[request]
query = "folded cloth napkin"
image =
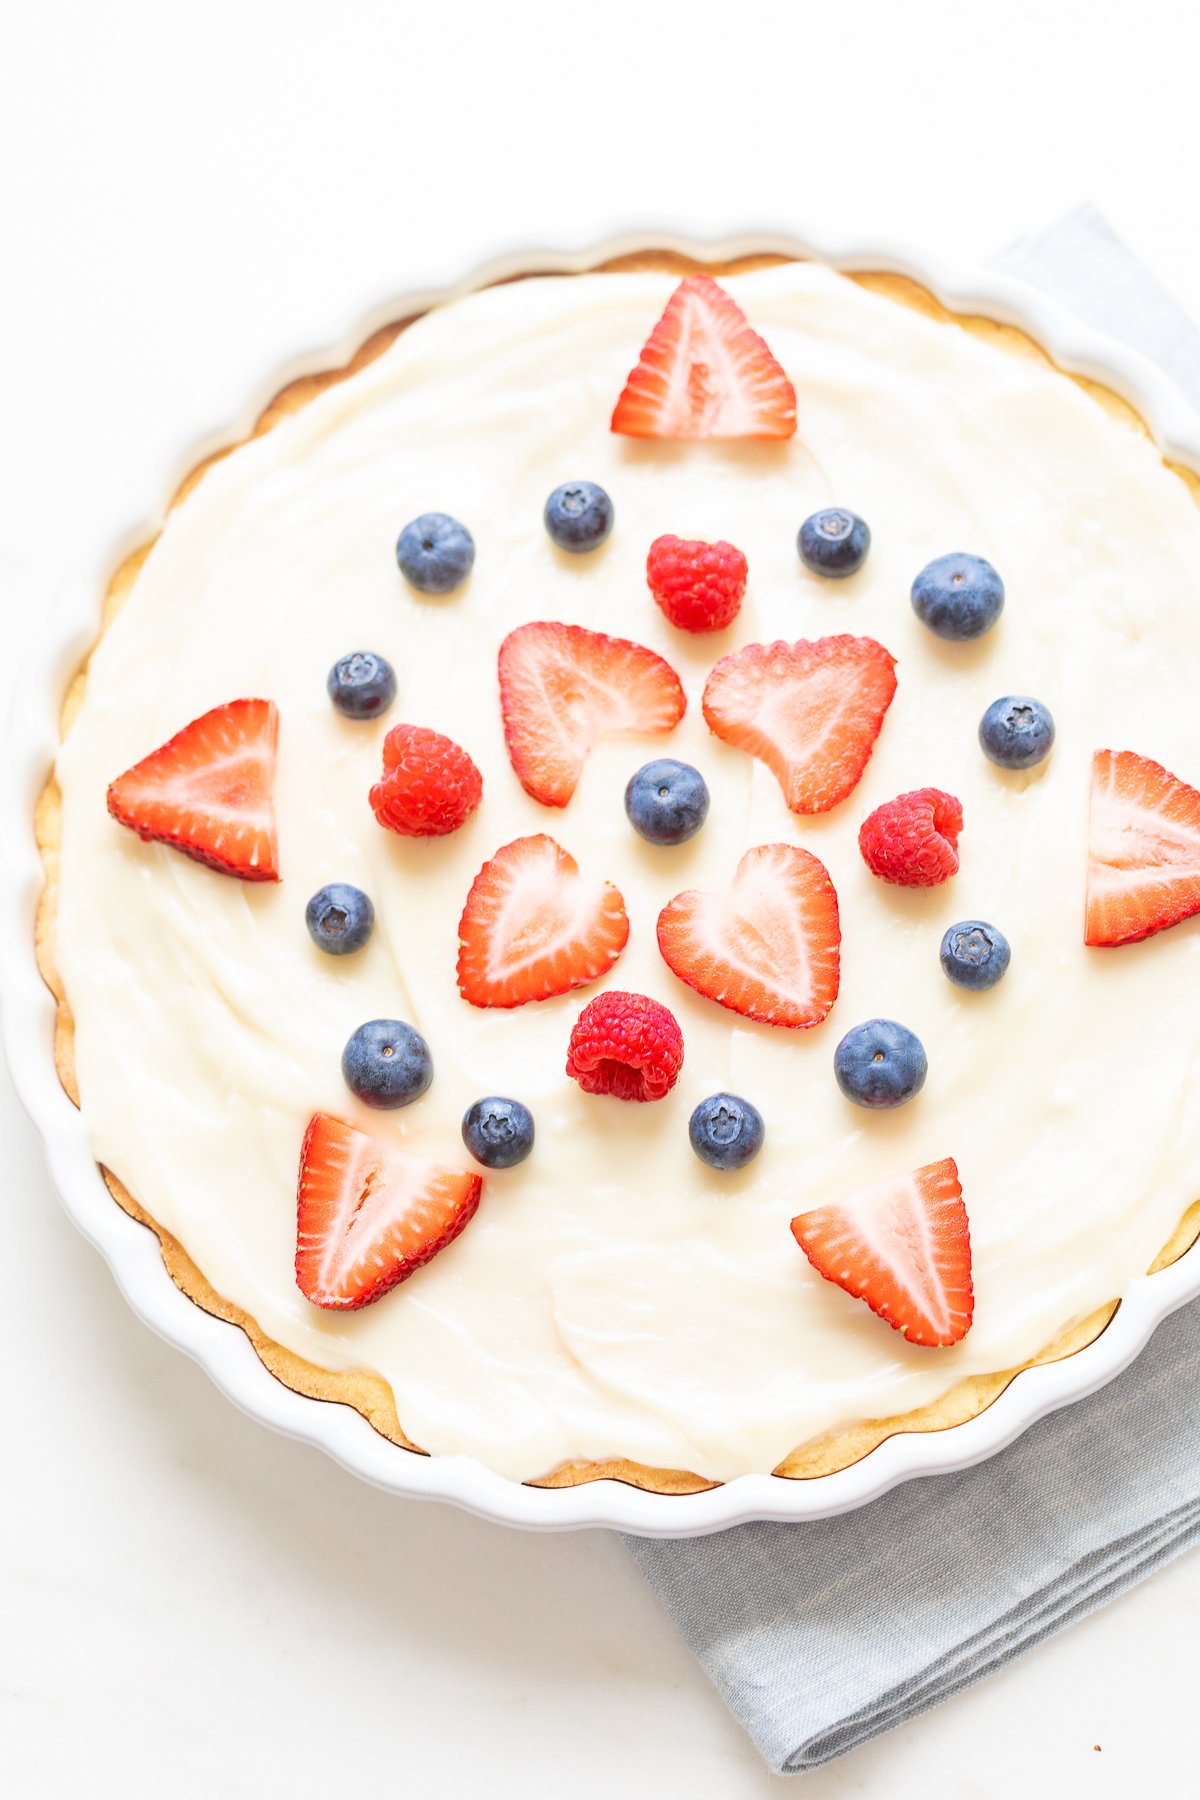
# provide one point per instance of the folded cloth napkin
(820, 1636)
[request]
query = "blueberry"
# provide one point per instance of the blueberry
(435, 553)
(579, 516)
(498, 1133)
(387, 1063)
(834, 542)
(958, 596)
(974, 955)
(666, 801)
(340, 918)
(880, 1064)
(1016, 732)
(362, 685)
(726, 1131)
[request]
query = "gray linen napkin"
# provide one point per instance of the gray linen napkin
(820, 1636)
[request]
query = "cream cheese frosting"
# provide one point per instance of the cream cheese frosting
(614, 1297)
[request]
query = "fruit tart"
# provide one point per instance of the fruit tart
(619, 874)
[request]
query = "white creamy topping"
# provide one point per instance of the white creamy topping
(614, 1297)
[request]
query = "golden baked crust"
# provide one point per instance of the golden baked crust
(367, 1393)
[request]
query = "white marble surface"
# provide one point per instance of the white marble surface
(190, 1603)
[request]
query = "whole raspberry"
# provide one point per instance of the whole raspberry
(913, 840)
(626, 1045)
(699, 586)
(429, 785)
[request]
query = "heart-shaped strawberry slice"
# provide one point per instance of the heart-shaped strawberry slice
(562, 688)
(811, 711)
(533, 926)
(768, 946)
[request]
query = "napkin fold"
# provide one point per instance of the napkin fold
(821, 1636)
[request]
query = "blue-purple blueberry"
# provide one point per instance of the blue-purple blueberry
(880, 1064)
(834, 542)
(579, 516)
(498, 1132)
(666, 801)
(974, 954)
(387, 1063)
(340, 918)
(726, 1131)
(436, 553)
(362, 685)
(1016, 732)
(958, 596)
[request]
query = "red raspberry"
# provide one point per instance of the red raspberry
(913, 840)
(626, 1045)
(699, 586)
(429, 786)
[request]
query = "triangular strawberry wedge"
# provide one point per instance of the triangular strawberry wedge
(533, 926)
(1143, 849)
(767, 947)
(209, 791)
(704, 373)
(810, 711)
(904, 1247)
(368, 1214)
(562, 688)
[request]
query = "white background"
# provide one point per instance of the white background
(191, 195)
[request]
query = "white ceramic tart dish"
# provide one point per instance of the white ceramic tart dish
(622, 1337)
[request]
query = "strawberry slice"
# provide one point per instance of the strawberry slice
(811, 711)
(368, 1214)
(769, 946)
(533, 927)
(208, 792)
(1143, 849)
(904, 1247)
(703, 373)
(562, 687)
